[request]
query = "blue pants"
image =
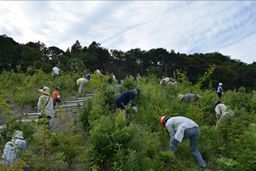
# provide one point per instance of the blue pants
(120, 105)
(192, 134)
(219, 94)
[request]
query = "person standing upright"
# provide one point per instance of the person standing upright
(55, 71)
(55, 74)
(219, 90)
(45, 104)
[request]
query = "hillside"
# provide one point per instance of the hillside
(97, 137)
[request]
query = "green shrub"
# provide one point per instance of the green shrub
(38, 156)
(5, 110)
(66, 146)
(245, 152)
(28, 128)
(106, 143)
(129, 83)
(226, 163)
(84, 114)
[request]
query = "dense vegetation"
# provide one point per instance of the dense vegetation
(161, 62)
(100, 140)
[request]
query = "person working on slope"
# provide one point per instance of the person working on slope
(12, 148)
(113, 77)
(222, 112)
(168, 81)
(189, 97)
(180, 128)
(81, 82)
(55, 71)
(98, 72)
(56, 97)
(219, 90)
(87, 75)
(124, 98)
(45, 104)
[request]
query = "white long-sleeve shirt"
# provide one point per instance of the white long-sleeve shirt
(177, 125)
(55, 71)
(81, 81)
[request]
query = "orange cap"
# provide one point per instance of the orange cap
(162, 120)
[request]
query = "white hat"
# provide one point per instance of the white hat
(180, 96)
(18, 134)
(45, 90)
(220, 84)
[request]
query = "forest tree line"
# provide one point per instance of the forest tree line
(161, 62)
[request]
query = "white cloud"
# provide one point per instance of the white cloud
(242, 50)
(187, 27)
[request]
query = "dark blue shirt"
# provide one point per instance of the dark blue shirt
(125, 97)
(87, 76)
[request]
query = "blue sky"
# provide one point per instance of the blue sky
(188, 27)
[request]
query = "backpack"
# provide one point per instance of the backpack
(9, 153)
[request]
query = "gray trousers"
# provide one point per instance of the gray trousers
(192, 134)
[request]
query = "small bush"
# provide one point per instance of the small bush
(28, 128)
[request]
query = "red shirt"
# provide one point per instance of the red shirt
(55, 94)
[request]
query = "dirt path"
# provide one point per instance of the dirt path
(64, 120)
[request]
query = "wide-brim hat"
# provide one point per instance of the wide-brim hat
(18, 134)
(45, 90)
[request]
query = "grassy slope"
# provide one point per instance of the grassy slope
(108, 144)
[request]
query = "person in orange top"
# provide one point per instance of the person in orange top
(55, 96)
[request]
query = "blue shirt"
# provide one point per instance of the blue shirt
(87, 76)
(125, 97)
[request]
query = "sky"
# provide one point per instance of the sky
(228, 27)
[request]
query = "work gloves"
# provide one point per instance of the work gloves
(134, 108)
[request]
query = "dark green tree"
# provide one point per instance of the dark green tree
(76, 47)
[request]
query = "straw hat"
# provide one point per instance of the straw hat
(45, 90)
